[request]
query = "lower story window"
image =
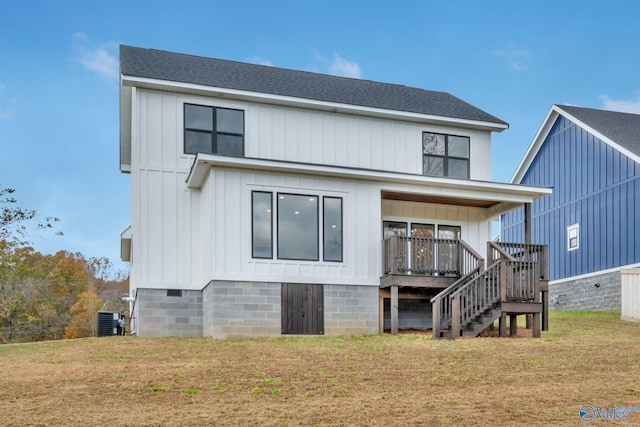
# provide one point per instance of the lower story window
(573, 241)
(297, 227)
(298, 233)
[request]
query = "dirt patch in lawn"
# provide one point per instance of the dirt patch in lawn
(408, 379)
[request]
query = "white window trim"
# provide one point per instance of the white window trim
(576, 228)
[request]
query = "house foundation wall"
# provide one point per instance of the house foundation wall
(228, 309)
(159, 315)
(350, 310)
(597, 293)
(240, 309)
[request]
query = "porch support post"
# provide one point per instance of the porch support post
(545, 310)
(502, 324)
(527, 223)
(394, 310)
(536, 325)
(380, 313)
(544, 271)
(513, 325)
(527, 240)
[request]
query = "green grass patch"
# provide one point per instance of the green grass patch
(158, 388)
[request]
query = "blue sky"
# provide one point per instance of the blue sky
(59, 77)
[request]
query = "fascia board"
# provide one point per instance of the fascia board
(481, 190)
(543, 132)
(335, 107)
(535, 145)
(126, 121)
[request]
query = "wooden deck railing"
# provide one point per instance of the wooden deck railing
(428, 256)
(520, 252)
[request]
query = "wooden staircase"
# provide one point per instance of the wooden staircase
(481, 322)
(511, 285)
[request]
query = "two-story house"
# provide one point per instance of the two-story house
(592, 160)
(269, 201)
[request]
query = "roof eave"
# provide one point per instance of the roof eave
(334, 107)
(554, 112)
(535, 145)
(506, 194)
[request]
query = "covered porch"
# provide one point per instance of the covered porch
(430, 270)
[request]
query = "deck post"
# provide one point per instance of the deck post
(380, 313)
(435, 315)
(544, 272)
(513, 325)
(455, 317)
(394, 310)
(502, 324)
(527, 240)
(536, 325)
(545, 310)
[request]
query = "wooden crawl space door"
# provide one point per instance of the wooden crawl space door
(302, 309)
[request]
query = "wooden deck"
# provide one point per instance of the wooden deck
(470, 297)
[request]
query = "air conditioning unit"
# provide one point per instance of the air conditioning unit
(108, 323)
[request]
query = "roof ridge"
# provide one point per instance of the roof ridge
(316, 73)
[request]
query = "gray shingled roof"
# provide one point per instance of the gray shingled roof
(621, 128)
(162, 65)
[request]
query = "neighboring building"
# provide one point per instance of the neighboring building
(268, 201)
(591, 158)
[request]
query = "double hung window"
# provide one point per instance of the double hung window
(573, 241)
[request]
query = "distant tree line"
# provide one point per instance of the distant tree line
(48, 297)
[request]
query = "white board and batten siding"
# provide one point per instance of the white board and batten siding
(297, 135)
(183, 238)
(231, 229)
(474, 223)
(306, 136)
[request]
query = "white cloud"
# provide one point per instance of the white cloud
(101, 60)
(260, 61)
(516, 57)
(621, 105)
(344, 68)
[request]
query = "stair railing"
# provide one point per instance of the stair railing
(441, 303)
(477, 296)
(506, 280)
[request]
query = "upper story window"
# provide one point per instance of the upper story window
(445, 155)
(213, 130)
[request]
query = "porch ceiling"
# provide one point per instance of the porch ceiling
(441, 200)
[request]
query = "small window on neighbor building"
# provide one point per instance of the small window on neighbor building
(573, 237)
(174, 292)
